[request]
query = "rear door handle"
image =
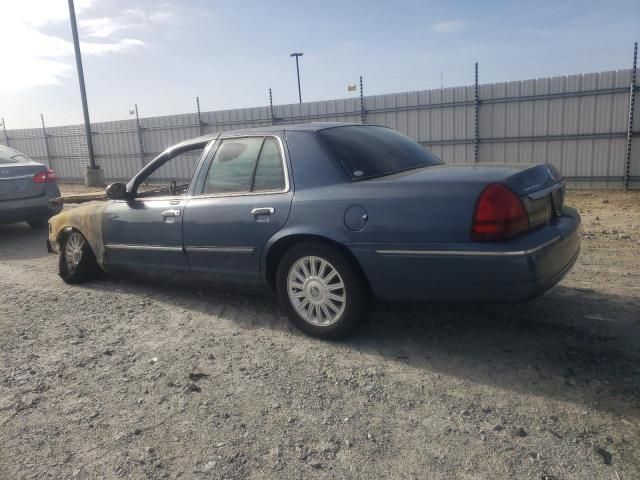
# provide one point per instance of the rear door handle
(263, 211)
(172, 212)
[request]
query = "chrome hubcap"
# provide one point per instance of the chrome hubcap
(316, 291)
(73, 250)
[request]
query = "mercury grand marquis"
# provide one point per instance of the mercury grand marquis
(329, 216)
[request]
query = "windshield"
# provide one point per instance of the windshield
(9, 155)
(371, 151)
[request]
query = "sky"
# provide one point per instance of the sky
(162, 54)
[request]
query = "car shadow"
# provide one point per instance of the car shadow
(572, 344)
(576, 345)
(18, 241)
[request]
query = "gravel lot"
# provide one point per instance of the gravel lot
(121, 379)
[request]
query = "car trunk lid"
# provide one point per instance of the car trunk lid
(458, 187)
(16, 180)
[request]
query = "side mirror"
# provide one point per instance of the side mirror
(117, 191)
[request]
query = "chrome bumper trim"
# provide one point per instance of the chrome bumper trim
(468, 253)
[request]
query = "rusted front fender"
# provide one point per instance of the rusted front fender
(87, 219)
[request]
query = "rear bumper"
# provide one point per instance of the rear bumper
(12, 211)
(515, 270)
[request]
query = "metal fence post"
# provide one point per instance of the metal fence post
(632, 98)
(140, 137)
(200, 124)
(273, 117)
(363, 112)
(476, 123)
(4, 129)
(46, 143)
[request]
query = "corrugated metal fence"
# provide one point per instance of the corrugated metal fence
(578, 123)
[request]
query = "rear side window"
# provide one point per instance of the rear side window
(9, 155)
(232, 166)
(243, 165)
(370, 151)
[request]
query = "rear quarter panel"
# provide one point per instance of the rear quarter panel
(399, 208)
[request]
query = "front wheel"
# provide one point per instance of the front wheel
(321, 291)
(77, 263)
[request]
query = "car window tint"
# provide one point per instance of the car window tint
(370, 151)
(232, 166)
(269, 174)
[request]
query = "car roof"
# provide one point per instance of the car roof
(298, 127)
(192, 143)
(301, 127)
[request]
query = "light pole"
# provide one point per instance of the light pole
(93, 175)
(298, 54)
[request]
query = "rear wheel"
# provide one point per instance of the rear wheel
(321, 291)
(77, 263)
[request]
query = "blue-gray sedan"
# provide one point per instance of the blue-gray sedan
(26, 188)
(329, 216)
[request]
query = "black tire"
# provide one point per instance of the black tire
(38, 223)
(355, 291)
(83, 267)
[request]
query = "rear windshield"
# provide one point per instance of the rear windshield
(370, 151)
(9, 155)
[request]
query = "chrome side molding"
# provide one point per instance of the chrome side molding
(467, 253)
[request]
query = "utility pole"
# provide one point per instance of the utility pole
(297, 55)
(94, 177)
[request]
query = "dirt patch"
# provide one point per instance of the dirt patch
(122, 379)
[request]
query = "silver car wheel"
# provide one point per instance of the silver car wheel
(73, 250)
(316, 291)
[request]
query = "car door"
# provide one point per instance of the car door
(244, 199)
(143, 235)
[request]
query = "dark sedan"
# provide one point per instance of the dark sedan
(26, 188)
(329, 216)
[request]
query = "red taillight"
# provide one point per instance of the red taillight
(47, 176)
(499, 214)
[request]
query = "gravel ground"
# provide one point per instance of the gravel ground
(122, 379)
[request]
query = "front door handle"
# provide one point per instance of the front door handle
(263, 211)
(172, 212)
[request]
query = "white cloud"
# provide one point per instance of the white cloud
(99, 27)
(37, 57)
(448, 26)
(114, 47)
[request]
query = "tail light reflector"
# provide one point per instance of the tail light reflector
(46, 176)
(499, 214)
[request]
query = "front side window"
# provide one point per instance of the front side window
(370, 151)
(243, 165)
(173, 177)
